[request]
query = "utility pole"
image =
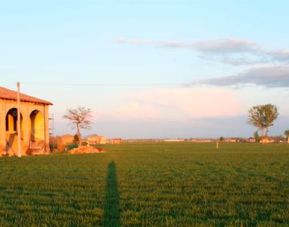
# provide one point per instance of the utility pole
(18, 120)
(51, 131)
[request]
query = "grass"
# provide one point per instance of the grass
(178, 184)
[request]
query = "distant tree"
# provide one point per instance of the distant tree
(80, 118)
(286, 134)
(262, 117)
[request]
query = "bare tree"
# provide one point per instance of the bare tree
(263, 116)
(80, 118)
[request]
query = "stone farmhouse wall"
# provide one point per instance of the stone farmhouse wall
(34, 128)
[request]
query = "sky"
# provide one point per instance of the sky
(150, 68)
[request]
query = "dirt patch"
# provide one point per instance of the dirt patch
(86, 150)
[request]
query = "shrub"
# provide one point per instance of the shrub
(71, 146)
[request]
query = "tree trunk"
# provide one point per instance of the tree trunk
(264, 132)
(78, 134)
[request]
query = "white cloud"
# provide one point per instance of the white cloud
(267, 76)
(213, 46)
(233, 51)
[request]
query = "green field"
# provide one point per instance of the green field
(149, 184)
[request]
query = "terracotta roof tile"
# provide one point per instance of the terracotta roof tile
(12, 95)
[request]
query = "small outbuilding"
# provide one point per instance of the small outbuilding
(34, 124)
(96, 139)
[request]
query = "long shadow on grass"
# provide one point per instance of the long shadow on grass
(111, 203)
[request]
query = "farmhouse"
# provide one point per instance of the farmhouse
(96, 139)
(33, 124)
(115, 141)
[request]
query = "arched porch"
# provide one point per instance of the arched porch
(11, 136)
(37, 132)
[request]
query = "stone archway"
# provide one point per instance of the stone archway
(11, 130)
(37, 126)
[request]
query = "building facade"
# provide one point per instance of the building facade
(96, 139)
(34, 124)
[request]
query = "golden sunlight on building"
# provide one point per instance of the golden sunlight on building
(96, 139)
(34, 125)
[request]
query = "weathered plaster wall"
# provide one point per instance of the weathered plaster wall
(26, 109)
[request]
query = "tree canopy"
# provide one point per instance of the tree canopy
(80, 118)
(263, 117)
(286, 133)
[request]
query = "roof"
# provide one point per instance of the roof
(12, 95)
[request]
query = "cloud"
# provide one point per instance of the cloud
(210, 46)
(227, 46)
(269, 68)
(273, 76)
(177, 104)
(232, 51)
(279, 55)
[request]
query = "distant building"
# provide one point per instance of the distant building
(251, 140)
(59, 143)
(115, 141)
(231, 140)
(66, 139)
(276, 139)
(34, 124)
(266, 140)
(201, 140)
(96, 139)
(174, 140)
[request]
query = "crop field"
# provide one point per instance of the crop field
(172, 184)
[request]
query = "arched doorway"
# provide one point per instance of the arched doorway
(11, 130)
(37, 126)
